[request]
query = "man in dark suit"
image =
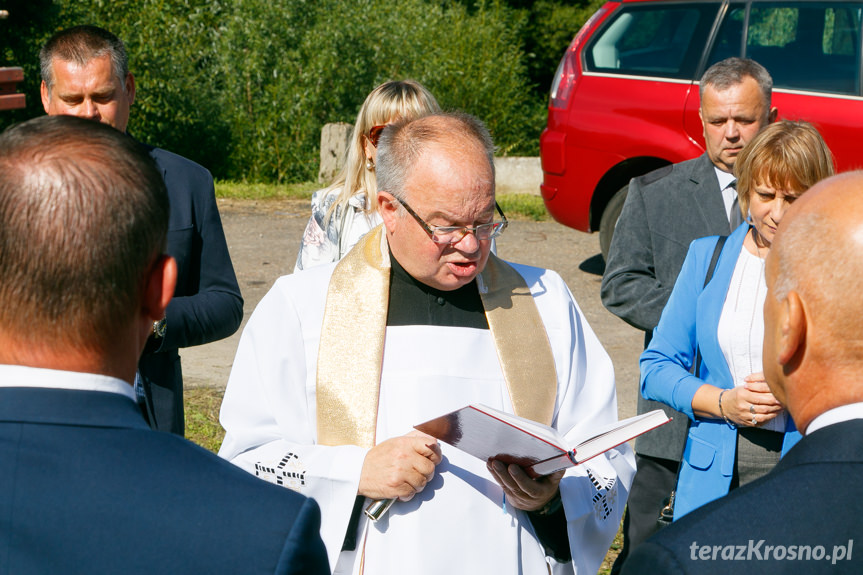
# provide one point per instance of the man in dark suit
(664, 212)
(85, 485)
(85, 73)
(804, 516)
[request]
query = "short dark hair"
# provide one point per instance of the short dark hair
(83, 217)
(733, 71)
(403, 142)
(80, 44)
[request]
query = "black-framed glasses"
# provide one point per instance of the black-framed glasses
(454, 234)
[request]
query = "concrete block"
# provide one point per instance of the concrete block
(517, 175)
(335, 139)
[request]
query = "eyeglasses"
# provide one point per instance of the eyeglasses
(375, 134)
(454, 234)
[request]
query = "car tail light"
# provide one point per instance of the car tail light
(569, 70)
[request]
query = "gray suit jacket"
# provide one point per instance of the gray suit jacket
(664, 212)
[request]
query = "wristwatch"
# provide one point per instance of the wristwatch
(159, 328)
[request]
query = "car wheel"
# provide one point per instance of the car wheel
(609, 219)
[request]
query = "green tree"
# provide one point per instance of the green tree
(244, 86)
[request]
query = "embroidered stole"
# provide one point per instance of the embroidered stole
(350, 353)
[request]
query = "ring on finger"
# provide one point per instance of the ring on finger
(754, 421)
(752, 409)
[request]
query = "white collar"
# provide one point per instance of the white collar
(724, 178)
(836, 415)
(23, 376)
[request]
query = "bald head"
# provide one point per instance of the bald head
(405, 141)
(813, 334)
(821, 253)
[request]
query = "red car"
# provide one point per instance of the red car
(625, 97)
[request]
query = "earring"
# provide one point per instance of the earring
(370, 165)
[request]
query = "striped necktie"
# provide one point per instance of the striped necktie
(735, 218)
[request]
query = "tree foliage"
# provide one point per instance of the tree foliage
(244, 86)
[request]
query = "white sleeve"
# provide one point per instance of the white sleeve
(268, 413)
(594, 493)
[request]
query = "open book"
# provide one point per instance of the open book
(487, 433)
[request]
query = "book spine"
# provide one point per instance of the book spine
(563, 461)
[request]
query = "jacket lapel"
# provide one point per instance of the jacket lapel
(710, 204)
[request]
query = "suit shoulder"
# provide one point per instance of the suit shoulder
(175, 163)
(190, 460)
(672, 172)
(654, 176)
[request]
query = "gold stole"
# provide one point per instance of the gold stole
(350, 355)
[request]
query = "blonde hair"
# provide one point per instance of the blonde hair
(393, 100)
(787, 155)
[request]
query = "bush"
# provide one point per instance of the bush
(289, 80)
(245, 86)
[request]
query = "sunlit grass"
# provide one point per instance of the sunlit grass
(526, 206)
(247, 191)
(202, 416)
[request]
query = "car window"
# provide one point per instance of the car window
(805, 46)
(657, 40)
(729, 39)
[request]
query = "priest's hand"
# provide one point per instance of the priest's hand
(399, 467)
(521, 491)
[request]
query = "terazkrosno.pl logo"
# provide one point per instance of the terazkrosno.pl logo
(758, 550)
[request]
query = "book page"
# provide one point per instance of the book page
(487, 433)
(613, 434)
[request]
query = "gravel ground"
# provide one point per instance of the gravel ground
(263, 238)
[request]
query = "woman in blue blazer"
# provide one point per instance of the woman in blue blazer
(737, 427)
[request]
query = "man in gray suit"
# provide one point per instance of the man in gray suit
(664, 212)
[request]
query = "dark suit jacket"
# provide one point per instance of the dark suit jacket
(664, 212)
(86, 487)
(811, 498)
(207, 304)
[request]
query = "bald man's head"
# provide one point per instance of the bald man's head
(813, 346)
(821, 253)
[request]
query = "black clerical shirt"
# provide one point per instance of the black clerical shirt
(414, 303)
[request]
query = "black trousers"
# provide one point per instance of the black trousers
(654, 479)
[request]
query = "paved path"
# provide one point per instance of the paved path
(264, 236)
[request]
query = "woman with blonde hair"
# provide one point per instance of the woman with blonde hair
(346, 210)
(705, 355)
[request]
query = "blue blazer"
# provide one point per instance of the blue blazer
(690, 319)
(207, 304)
(86, 487)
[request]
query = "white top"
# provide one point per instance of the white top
(741, 325)
(836, 415)
(22, 376)
(343, 230)
(459, 523)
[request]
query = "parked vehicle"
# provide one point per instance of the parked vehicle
(625, 97)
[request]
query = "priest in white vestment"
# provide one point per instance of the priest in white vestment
(338, 363)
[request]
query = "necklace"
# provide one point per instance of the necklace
(755, 236)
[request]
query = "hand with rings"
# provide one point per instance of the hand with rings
(752, 403)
